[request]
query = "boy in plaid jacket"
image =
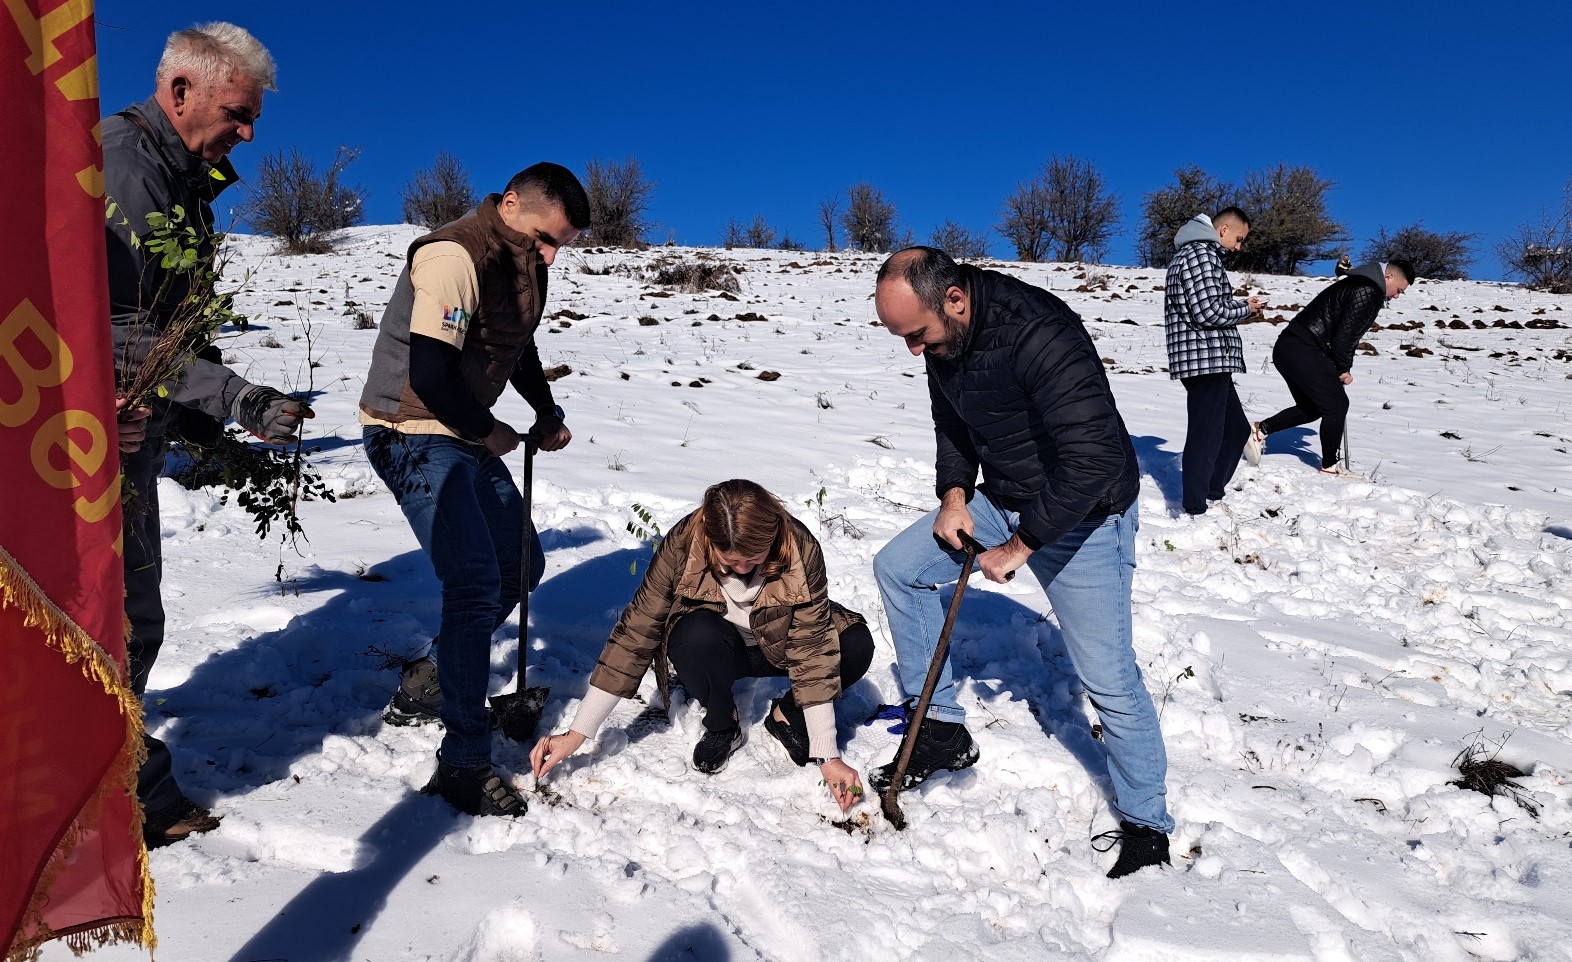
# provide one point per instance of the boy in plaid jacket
(1200, 318)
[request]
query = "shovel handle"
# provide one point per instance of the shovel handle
(935, 669)
(527, 543)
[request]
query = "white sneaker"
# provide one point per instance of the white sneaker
(1255, 443)
(1341, 472)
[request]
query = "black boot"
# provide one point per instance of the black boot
(1139, 846)
(941, 746)
(475, 791)
(419, 696)
(715, 749)
(791, 733)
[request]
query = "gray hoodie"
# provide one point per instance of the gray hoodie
(1197, 228)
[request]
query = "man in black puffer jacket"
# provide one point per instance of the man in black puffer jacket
(1315, 354)
(1019, 393)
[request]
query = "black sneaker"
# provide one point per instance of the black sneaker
(1139, 846)
(941, 746)
(419, 696)
(791, 733)
(715, 749)
(475, 791)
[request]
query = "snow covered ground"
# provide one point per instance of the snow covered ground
(1321, 650)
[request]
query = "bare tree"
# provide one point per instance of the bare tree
(829, 207)
(757, 234)
(1064, 212)
(869, 220)
(1289, 223)
(1444, 257)
(619, 197)
(1167, 209)
(305, 210)
(959, 242)
(1541, 252)
(440, 194)
(1025, 222)
(732, 234)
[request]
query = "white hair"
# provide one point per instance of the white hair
(213, 51)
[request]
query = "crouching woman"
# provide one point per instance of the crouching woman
(736, 589)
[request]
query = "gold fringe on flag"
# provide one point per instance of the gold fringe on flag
(61, 633)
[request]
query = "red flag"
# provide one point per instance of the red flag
(72, 863)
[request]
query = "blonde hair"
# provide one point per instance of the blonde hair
(213, 52)
(739, 516)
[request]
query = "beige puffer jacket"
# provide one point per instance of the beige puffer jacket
(797, 626)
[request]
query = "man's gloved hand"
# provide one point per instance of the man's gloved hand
(269, 414)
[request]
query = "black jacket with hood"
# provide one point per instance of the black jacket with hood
(1338, 318)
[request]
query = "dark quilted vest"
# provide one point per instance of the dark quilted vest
(512, 281)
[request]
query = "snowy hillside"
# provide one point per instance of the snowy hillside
(1321, 651)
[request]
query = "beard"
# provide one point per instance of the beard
(954, 339)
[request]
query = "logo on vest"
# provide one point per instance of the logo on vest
(454, 319)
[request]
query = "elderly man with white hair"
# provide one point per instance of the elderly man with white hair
(171, 152)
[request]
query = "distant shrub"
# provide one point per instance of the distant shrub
(1063, 212)
(829, 212)
(440, 194)
(303, 209)
(1166, 209)
(1541, 252)
(1444, 257)
(692, 276)
(757, 234)
(869, 220)
(619, 196)
(1289, 223)
(959, 242)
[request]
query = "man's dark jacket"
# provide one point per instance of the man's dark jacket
(1338, 318)
(1028, 402)
(147, 169)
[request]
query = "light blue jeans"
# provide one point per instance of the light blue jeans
(1087, 576)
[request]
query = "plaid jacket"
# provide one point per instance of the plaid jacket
(1201, 314)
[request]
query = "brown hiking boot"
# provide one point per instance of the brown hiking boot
(177, 823)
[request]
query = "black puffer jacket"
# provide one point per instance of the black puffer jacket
(1028, 402)
(1338, 318)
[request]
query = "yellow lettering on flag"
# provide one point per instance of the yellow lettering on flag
(91, 178)
(55, 435)
(40, 33)
(26, 320)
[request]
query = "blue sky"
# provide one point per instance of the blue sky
(1454, 114)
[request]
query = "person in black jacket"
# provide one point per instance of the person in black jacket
(1019, 393)
(1315, 354)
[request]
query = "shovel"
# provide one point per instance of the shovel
(888, 802)
(517, 712)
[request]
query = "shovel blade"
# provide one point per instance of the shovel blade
(517, 713)
(892, 809)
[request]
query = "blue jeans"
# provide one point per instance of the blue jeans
(468, 515)
(1087, 576)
